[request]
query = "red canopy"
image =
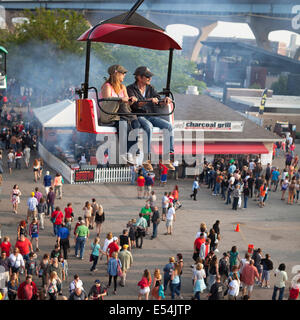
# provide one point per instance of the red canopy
(216, 148)
(131, 35)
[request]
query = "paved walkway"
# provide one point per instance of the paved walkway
(274, 228)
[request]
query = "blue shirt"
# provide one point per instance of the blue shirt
(63, 233)
(32, 203)
(95, 249)
(148, 181)
(275, 175)
(47, 180)
(232, 168)
(195, 185)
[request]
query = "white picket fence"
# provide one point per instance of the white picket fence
(107, 175)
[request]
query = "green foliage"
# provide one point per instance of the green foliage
(44, 55)
(157, 62)
(255, 86)
(280, 87)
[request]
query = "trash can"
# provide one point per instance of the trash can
(250, 248)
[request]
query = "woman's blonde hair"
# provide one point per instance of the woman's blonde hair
(115, 254)
(157, 274)
(199, 266)
(53, 275)
(114, 81)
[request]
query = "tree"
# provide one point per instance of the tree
(280, 87)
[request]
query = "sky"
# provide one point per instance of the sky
(228, 29)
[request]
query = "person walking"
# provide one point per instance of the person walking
(165, 205)
(34, 229)
(15, 198)
(144, 285)
(236, 196)
(126, 259)
(52, 289)
(27, 289)
(267, 267)
(248, 275)
(18, 158)
(42, 208)
(82, 234)
(234, 287)
(171, 217)
(140, 186)
(57, 218)
(168, 269)
(113, 269)
(58, 184)
(141, 226)
(32, 203)
(87, 213)
(198, 281)
(155, 222)
(246, 193)
(36, 167)
(63, 235)
(157, 291)
(47, 182)
(50, 201)
(216, 290)
(280, 280)
(195, 188)
(26, 152)
(96, 249)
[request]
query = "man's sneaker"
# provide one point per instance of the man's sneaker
(148, 166)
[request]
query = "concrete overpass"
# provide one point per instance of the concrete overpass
(263, 16)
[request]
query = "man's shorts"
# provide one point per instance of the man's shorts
(141, 189)
(31, 214)
(247, 287)
(169, 223)
(164, 210)
(148, 188)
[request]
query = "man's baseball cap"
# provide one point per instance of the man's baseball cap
(143, 71)
(32, 194)
(116, 68)
(115, 238)
(97, 281)
(125, 246)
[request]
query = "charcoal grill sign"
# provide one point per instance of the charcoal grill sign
(84, 176)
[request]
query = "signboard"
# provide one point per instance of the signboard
(206, 125)
(84, 176)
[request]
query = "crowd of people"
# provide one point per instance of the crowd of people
(237, 181)
(45, 274)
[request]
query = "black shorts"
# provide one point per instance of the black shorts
(164, 210)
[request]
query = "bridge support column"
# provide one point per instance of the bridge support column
(261, 31)
(204, 33)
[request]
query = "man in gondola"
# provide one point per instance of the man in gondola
(143, 90)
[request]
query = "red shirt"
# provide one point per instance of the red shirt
(294, 293)
(68, 212)
(164, 169)
(23, 246)
(140, 181)
(5, 247)
(198, 242)
(59, 217)
(113, 247)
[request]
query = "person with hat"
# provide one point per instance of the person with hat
(126, 259)
(114, 88)
(143, 90)
(82, 233)
(32, 203)
(97, 291)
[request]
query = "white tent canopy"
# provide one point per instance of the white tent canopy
(57, 115)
